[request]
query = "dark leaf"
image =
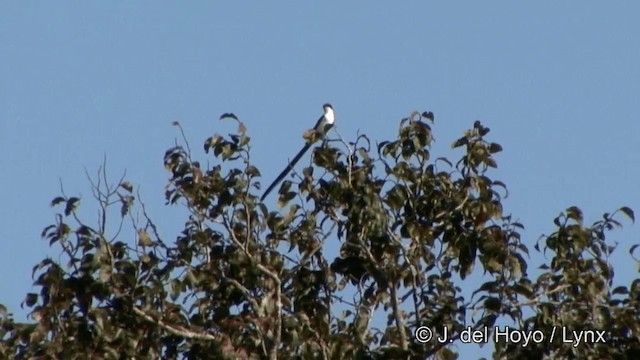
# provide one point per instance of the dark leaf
(492, 304)
(494, 148)
(57, 201)
(627, 211)
(228, 115)
(462, 141)
(176, 289)
(213, 142)
(428, 115)
(620, 290)
(252, 171)
(72, 205)
(575, 213)
(31, 299)
(127, 186)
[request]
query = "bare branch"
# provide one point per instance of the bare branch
(175, 330)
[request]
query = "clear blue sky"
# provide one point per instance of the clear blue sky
(557, 82)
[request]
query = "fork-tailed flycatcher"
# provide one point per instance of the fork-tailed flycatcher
(322, 127)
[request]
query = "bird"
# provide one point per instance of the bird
(325, 122)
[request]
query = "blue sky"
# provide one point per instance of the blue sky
(557, 82)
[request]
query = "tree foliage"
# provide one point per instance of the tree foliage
(411, 237)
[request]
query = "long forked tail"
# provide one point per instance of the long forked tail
(286, 170)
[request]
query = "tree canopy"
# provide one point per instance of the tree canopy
(244, 281)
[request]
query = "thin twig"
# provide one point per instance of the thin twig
(349, 156)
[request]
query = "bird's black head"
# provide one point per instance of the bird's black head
(327, 105)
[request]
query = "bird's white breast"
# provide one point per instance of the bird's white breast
(329, 116)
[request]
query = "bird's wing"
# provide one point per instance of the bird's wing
(286, 170)
(318, 125)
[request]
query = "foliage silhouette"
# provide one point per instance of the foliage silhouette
(244, 281)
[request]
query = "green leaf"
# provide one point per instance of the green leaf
(575, 213)
(396, 197)
(445, 160)
(176, 289)
(127, 186)
(428, 115)
(627, 211)
(489, 286)
(212, 142)
(72, 205)
(462, 141)
(525, 290)
(494, 148)
(252, 171)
